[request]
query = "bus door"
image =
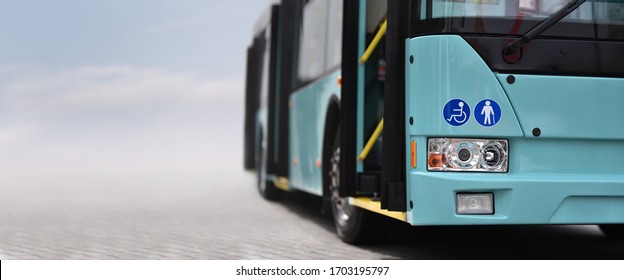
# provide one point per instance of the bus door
(368, 75)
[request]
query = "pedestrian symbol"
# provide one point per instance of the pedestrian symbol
(487, 112)
(456, 112)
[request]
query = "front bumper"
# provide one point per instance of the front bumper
(518, 199)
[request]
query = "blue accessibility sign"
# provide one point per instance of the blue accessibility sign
(456, 112)
(487, 112)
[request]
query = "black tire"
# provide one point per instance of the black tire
(354, 225)
(266, 187)
(613, 231)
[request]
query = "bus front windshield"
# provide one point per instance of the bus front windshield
(608, 14)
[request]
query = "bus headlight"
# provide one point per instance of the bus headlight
(477, 155)
(493, 155)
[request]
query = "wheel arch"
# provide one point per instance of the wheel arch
(332, 121)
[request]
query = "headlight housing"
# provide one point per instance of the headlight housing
(476, 155)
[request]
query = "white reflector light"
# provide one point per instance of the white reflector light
(475, 203)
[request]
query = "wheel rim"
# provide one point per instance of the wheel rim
(342, 209)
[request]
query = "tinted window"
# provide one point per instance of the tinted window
(266, 59)
(590, 11)
(313, 40)
(334, 36)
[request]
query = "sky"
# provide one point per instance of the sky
(114, 87)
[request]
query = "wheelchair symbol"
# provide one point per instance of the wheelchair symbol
(456, 112)
(459, 116)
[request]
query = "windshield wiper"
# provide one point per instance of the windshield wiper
(517, 44)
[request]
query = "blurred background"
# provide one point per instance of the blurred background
(121, 126)
(121, 88)
(114, 116)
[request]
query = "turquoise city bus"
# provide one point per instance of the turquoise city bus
(441, 112)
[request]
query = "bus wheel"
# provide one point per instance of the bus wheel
(266, 188)
(354, 225)
(613, 231)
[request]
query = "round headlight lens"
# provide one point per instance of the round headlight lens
(493, 155)
(464, 155)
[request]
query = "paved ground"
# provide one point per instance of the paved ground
(188, 217)
(164, 218)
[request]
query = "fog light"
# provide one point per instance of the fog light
(475, 204)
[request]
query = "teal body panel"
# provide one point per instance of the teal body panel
(568, 107)
(571, 174)
(445, 68)
(308, 111)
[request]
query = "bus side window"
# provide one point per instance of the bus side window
(320, 43)
(313, 41)
(266, 58)
(334, 36)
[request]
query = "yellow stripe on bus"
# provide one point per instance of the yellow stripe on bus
(375, 206)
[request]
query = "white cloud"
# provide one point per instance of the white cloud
(119, 119)
(113, 86)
